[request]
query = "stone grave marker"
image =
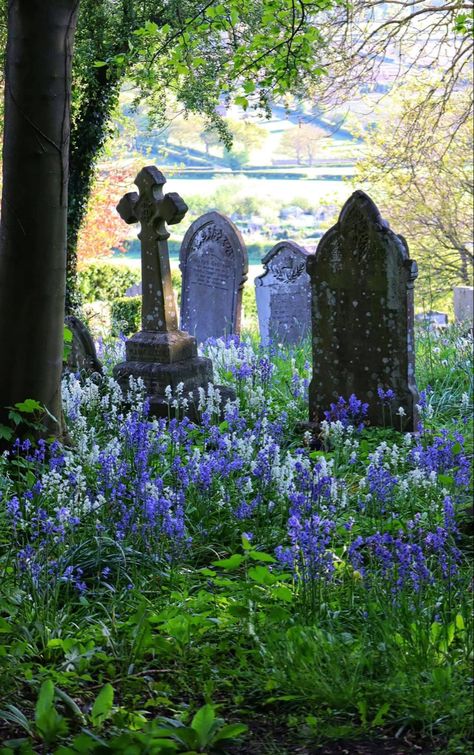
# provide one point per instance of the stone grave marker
(283, 295)
(82, 357)
(160, 354)
(464, 304)
(433, 320)
(362, 283)
(134, 290)
(214, 265)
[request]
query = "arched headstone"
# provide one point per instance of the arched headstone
(362, 316)
(214, 266)
(283, 295)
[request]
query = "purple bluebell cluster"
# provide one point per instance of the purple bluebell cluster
(310, 556)
(349, 412)
(445, 453)
(157, 489)
(387, 397)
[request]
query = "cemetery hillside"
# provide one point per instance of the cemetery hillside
(236, 377)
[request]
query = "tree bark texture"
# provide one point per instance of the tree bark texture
(34, 201)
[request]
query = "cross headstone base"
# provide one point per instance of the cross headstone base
(151, 346)
(193, 373)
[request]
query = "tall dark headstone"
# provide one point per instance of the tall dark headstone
(160, 354)
(283, 295)
(214, 265)
(362, 283)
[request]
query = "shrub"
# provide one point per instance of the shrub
(126, 315)
(249, 303)
(126, 310)
(105, 281)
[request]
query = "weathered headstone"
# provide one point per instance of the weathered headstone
(464, 304)
(362, 283)
(160, 354)
(214, 265)
(82, 356)
(283, 295)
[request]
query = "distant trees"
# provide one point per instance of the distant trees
(251, 50)
(421, 174)
(414, 36)
(303, 142)
(103, 229)
(246, 137)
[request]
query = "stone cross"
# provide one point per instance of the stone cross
(153, 209)
(160, 354)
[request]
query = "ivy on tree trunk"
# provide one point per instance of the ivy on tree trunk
(87, 139)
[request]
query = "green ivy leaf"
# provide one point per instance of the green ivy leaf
(102, 707)
(233, 562)
(29, 406)
(260, 556)
(261, 575)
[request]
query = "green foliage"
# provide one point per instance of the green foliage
(26, 419)
(178, 653)
(102, 708)
(424, 185)
(251, 51)
(126, 315)
(105, 281)
(205, 734)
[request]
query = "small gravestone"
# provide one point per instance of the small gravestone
(214, 265)
(432, 320)
(464, 304)
(82, 355)
(362, 283)
(283, 295)
(134, 290)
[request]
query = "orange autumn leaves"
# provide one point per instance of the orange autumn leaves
(103, 230)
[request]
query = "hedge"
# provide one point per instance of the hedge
(104, 281)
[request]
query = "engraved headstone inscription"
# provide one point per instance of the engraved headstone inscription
(362, 283)
(283, 295)
(214, 265)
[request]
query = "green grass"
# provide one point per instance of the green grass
(160, 637)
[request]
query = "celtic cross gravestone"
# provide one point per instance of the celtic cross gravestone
(160, 354)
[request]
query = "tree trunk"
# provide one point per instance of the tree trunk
(34, 201)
